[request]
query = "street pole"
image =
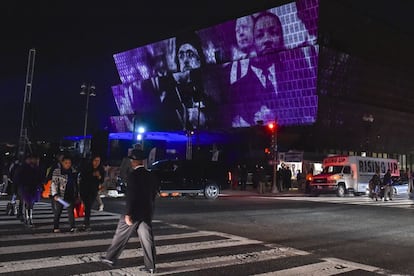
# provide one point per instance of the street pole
(88, 91)
(85, 125)
(275, 160)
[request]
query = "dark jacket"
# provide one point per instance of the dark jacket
(88, 183)
(387, 179)
(30, 181)
(140, 196)
(247, 95)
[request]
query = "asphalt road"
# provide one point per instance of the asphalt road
(372, 234)
(240, 234)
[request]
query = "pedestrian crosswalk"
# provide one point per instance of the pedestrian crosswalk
(397, 202)
(181, 250)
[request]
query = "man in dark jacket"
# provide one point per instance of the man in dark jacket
(140, 197)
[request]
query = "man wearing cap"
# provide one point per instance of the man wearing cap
(140, 197)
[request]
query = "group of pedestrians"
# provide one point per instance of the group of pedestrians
(69, 187)
(284, 178)
(260, 181)
(381, 189)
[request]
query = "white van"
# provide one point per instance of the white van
(350, 174)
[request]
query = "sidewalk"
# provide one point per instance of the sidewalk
(253, 192)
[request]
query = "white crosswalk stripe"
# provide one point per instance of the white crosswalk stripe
(180, 250)
(397, 202)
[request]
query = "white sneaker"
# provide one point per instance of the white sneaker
(101, 208)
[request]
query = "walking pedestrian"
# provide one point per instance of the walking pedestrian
(91, 178)
(262, 179)
(14, 170)
(30, 181)
(388, 190)
(49, 174)
(374, 185)
(410, 188)
(140, 198)
(64, 189)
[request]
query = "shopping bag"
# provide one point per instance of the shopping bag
(46, 189)
(79, 210)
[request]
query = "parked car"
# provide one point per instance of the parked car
(400, 185)
(190, 177)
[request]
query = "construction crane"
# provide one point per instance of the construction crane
(24, 141)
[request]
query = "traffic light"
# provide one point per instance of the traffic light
(272, 127)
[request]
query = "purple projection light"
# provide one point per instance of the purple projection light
(262, 66)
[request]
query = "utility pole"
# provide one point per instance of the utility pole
(88, 91)
(273, 128)
(24, 137)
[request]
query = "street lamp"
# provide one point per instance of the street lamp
(87, 90)
(140, 135)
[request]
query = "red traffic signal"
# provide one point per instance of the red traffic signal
(271, 126)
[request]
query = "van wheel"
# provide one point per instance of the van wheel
(341, 190)
(211, 191)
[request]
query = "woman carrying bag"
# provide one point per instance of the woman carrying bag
(91, 178)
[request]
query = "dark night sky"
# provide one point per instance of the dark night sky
(75, 42)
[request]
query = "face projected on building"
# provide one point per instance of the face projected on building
(244, 33)
(275, 49)
(268, 34)
(188, 58)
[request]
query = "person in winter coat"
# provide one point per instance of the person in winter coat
(30, 183)
(374, 185)
(91, 178)
(64, 189)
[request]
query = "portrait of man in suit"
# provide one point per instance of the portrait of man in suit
(255, 94)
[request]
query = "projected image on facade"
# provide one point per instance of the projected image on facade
(260, 67)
